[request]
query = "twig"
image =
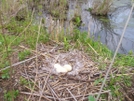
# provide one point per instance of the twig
(124, 74)
(44, 86)
(110, 66)
(53, 92)
(33, 51)
(28, 78)
(109, 96)
(35, 94)
(24, 29)
(71, 94)
(36, 59)
(93, 49)
(53, 95)
(124, 93)
(87, 95)
(84, 93)
(4, 37)
(18, 63)
(63, 99)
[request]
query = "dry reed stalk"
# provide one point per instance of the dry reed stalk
(36, 76)
(44, 86)
(57, 84)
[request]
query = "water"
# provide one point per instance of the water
(108, 32)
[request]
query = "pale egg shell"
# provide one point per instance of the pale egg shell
(67, 67)
(57, 65)
(59, 68)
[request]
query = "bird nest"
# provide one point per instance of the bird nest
(46, 84)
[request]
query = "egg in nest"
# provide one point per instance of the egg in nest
(62, 69)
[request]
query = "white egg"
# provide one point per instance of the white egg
(57, 65)
(59, 68)
(67, 67)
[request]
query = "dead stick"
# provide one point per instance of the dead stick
(87, 95)
(71, 94)
(24, 29)
(18, 63)
(53, 92)
(63, 99)
(44, 86)
(36, 63)
(124, 74)
(93, 49)
(33, 51)
(35, 94)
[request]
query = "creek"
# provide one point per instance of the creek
(107, 30)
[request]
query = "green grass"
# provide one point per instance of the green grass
(25, 82)
(23, 54)
(5, 74)
(122, 62)
(77, 21)
(57, 9)
(11, 95)
(100, 7)
(91, 98)
(15, 37)
(29, 37)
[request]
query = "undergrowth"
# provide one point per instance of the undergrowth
(79, 40)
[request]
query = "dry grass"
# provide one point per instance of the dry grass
(57, 8)
(9, 8)
(57, 29)
(101, 7)
(76, 85)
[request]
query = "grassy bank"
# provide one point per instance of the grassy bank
(15, 33)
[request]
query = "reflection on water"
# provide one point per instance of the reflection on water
(109, 32)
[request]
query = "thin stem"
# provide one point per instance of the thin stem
(4, 37)
(110, 66)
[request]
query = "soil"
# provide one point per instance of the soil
(65, 87)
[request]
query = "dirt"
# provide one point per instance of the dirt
(54, 86)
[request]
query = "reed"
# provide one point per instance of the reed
(101, 7)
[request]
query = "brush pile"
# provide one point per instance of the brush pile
(47, 84)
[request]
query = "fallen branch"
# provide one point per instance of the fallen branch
(124, 74)
(63, 99)
(93, 49)
(18, 63)
(71, 94)
(33, 51)
(35, 94)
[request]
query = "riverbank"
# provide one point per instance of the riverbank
(29, 51)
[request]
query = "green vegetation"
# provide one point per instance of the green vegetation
(11, 95)
(77, 21)
(25, 82)
(91, 98)
(57, 8)
(15, 37)
(5, 74)
(23, 55)
(104, 19)
(19, 31)
(100, 7)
